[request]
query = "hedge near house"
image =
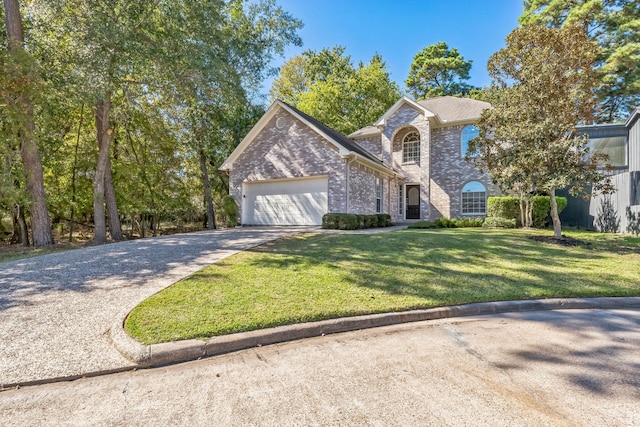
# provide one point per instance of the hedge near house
(342, 221)
(508, 208)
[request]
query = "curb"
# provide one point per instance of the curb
(182, 351)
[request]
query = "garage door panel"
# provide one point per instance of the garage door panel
(290, 202)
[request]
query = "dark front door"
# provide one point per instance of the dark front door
(413, 202)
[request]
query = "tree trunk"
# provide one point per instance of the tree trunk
(20, 230)
(104, 135)
(115, 229)
(523, 208)
(73, 175)
(211, 218)
(29, 152)
(557, 227)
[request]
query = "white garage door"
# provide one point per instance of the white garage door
(285, 202)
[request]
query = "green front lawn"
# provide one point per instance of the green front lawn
(313, 277)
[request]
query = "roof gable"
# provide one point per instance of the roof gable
(635, 114)
(382, 121)
(344, 145)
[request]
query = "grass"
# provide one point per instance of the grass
(313, 277)
(14, 252)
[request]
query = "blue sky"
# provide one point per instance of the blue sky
(399, 29)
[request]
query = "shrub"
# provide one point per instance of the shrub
(506, 207)
(607, 220)
(495, 222)
(423, 224)
(230, 211)
(384, 220)
(633, 219)
(330, 221)
(348, 222)
(541, 210)
(469, 222)
(368, 221)
(341, 221)
(444, 222)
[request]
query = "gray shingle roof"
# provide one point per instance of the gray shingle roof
(452, 109)
(448, 109)
(365, 131)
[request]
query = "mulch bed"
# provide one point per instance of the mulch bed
(562, 241)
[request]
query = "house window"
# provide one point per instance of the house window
(635, 188)
(411, 148)
(474, 199)
(400, 200)
(378, 195)
(468, 133)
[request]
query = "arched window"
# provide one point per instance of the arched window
(474, 198)
(411, 148)
(468, 133)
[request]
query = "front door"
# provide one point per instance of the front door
(413, 201)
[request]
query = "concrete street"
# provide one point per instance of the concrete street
(555, 368)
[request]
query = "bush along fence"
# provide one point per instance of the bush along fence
(504, 211)
(342, 221)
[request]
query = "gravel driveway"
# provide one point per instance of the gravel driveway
(56, 309)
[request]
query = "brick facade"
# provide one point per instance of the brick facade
(290, 149)
(289, 146)
(450, 172)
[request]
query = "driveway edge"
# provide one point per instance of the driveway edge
(181, 351)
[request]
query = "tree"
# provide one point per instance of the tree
(327, 86)
(437, 71)
(615, 25)
(545, 84)
(18, 97)
(165, 56)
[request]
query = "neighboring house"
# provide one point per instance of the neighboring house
(622, 143)
(291, 169)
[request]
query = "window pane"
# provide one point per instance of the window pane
(411, 148)
(474, 198)
(468, 133)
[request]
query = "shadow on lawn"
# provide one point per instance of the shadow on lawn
(453, 266)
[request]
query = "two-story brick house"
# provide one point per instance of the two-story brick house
(291, 169)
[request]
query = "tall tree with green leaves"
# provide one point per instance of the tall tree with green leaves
(527, 142)
(437, 71)
(161, 54)
(615, 25)
(20, 84)
(327, 86)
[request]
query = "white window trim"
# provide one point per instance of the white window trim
(413, 142)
